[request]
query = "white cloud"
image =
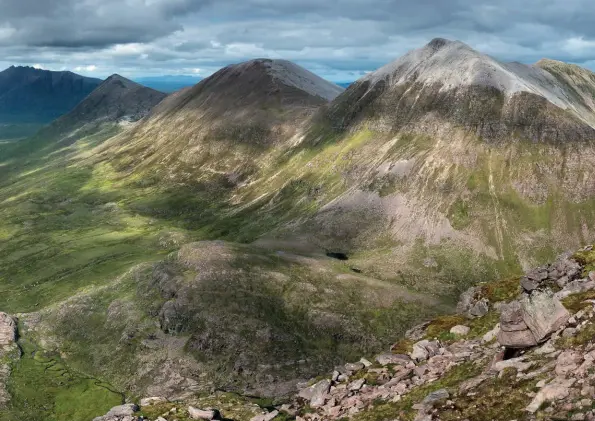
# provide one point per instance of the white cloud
(87, 69)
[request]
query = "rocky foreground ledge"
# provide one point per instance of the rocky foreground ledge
(519, 349)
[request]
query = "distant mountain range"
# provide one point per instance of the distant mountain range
(168, 83)
(29, 95)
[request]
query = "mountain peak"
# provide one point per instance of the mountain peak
(438, 43)
(116, 99)
(283, 73)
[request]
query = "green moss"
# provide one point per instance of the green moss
(587, 259)
(459, 215)
(441, 326)
(503, 290)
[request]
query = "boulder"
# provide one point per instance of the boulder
(511, 317)
(437, 396)
(575, 287)
(425, 349)
(543, 314)
(460, 330)
(388, 359)
(354, 367)
(492, 334)
(356, 385)
(317, 393)
(201, 414)
(568, 362)
(531, 320)
(480, 308)
(123, 410)
(518, 339)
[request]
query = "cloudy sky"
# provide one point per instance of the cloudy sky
(338, 39)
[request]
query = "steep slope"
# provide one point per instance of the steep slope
(448, 152)
(29, 95)
(226, 125)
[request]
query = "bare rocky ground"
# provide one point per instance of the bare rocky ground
(520, 349)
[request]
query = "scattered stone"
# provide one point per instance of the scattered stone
(265, 417)
(529, 285)
(568, 361)
(492, 334)
(437, 396)
(152, 401)
(201, 414)
(356, 385)
(557, 390)
(366, 363)
(354, 367)
(316, 394)
(388, 359)
(460, 330)
(518, 363)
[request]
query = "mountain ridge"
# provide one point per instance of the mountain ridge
(34, 95)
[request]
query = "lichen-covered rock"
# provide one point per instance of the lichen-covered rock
(543, 314)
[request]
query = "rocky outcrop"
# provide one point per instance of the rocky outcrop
(8, 351)
(538, 312)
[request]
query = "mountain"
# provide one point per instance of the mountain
(264, 226)
(117, 99)
(29, 95)
(464, 87)
(169, 83)
(344, 84)
(238, 114)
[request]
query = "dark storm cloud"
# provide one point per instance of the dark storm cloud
(337, 38)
